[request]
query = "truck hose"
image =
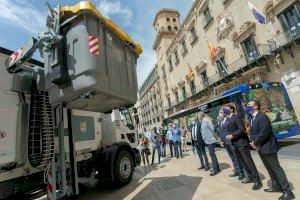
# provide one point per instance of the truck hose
(41, 135)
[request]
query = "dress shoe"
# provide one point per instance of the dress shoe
(247, 180)
(287, 196)
(202, 167)
(219, 170)
(233, 175)
(257, 186)
(272, 190)
(241, 177)
(213, 173)
(207, 168)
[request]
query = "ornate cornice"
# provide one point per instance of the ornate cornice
(273, 8)
(245, 31)
(201, 67)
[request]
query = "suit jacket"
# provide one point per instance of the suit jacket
(207, 131)
(200, 141)
(236, 127)
(223, 127)
(261, 133)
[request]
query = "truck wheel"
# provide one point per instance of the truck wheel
(123, 168)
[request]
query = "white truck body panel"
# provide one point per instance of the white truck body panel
(8, 117)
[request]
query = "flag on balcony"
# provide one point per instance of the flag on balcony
(259, 17)
(212, 52)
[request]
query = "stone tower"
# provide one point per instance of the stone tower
(166, 24)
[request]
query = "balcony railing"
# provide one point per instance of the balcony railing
(285, 38)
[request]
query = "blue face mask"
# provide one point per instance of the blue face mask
(226, 111)
(249, 108)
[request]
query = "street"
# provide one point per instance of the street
(180, 179)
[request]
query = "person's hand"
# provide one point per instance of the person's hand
(229, 137)
(254, 146)
(222, 144)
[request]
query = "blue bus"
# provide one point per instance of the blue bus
(273, 97)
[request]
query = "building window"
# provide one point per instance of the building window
(169, 102)
(174, 19)
(184, 50)
(168, 19)
(193, 35)
(169, 28)
(175, 28)
(207, 17)
(170, 65)
(222, 67)
(176, 58)
(250, 49)
(183, 92)
(176, 97)
(290, 18)
(158, 120)
(192, 87)
(204, 78)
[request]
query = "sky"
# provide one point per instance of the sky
(22, 19)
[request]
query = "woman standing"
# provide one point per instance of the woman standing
(145, 150)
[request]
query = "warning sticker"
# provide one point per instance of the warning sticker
(83, 128)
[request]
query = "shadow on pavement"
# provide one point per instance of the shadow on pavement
(153, 188)
(224, 166)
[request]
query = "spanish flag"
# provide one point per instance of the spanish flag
(212, 52)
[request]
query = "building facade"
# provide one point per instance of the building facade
(150, 105)
(247, 52)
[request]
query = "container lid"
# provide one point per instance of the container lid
(88, 6)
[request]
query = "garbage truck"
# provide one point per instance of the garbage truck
(66, 120)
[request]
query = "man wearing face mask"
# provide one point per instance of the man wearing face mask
(263, 140)
(170, 134)
(199, 144)
(223, 126)
(240, 141)
(207, 134)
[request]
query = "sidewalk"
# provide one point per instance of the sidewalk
(179, 179)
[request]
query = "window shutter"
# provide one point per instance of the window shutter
(297, 7)
(283, 22)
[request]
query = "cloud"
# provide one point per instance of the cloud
(109, 9)
(22, 15)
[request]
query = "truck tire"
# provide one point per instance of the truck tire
(123, 168)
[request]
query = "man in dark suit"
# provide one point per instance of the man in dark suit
(263, 140)
(240, 141)
(199, 145)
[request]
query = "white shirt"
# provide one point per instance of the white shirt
(253, 117)
(194, 132)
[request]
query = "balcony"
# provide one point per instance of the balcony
(285, 39)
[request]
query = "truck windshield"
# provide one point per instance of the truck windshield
(126, 118)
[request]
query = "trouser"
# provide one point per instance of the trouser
(200, 148)
(244, 157)
(177, 148)
(183, 143)
(237, 167)
(158, 153)
(212, 154)
(193, 145)
(143, 153)
(277, 174)
(171, 147)
(163, 150)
